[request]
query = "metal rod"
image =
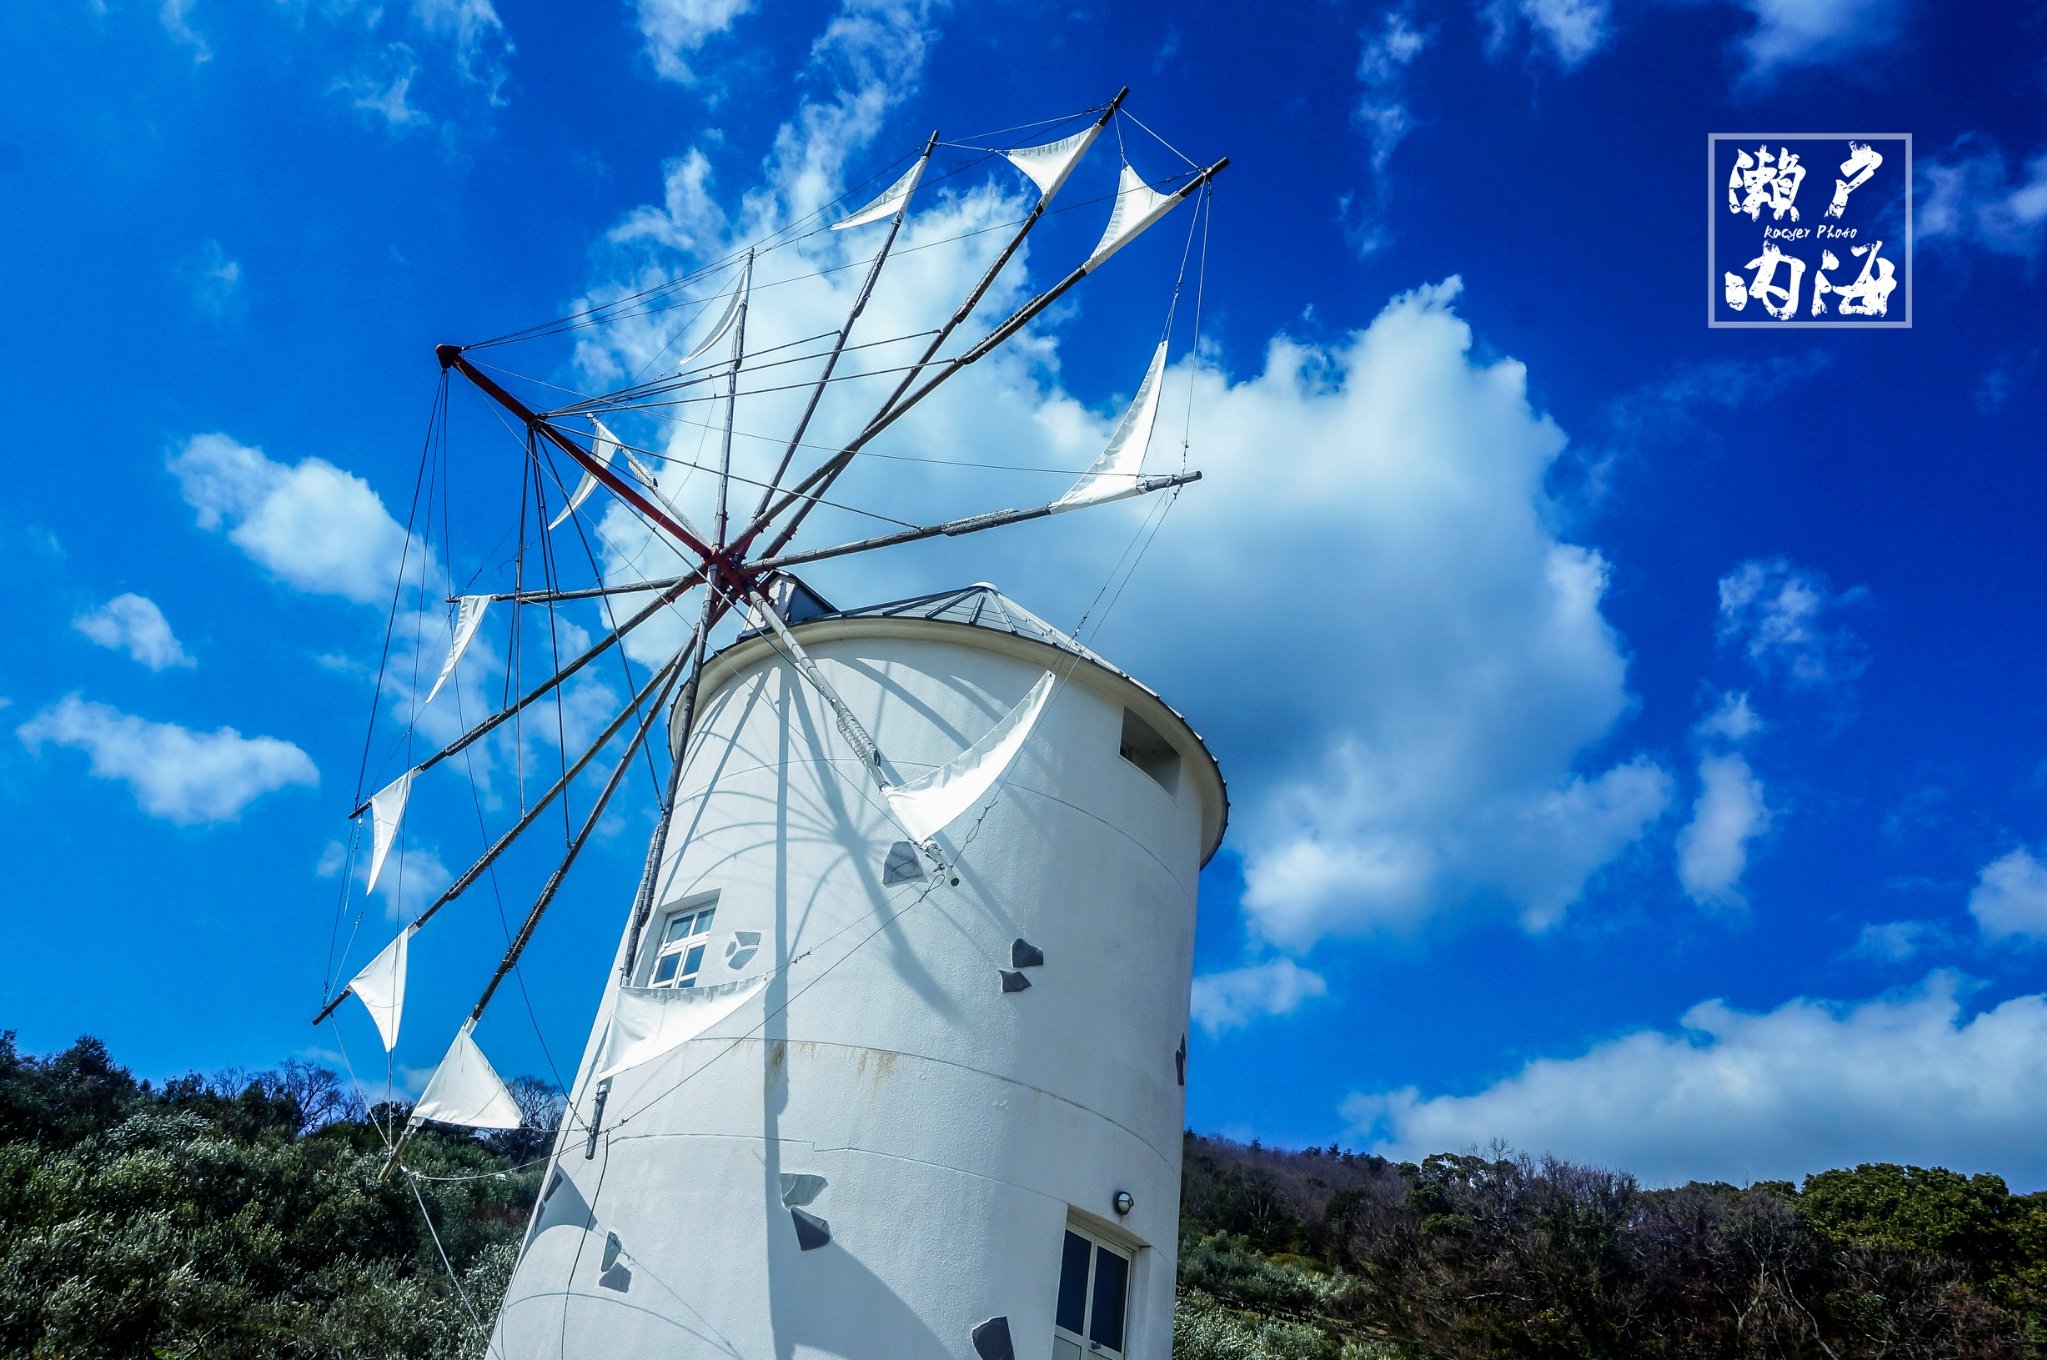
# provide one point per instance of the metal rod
(720, 523)
(671, 590)
(895, 226)
(876, 423)
(657, 844)
(451, 357)
(969, 524)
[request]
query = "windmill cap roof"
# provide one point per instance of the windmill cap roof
(982, 606)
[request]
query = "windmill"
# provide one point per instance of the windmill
(892, 1054)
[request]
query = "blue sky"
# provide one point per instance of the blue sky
(1634, 729)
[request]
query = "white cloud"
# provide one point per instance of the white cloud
(675, 29)
(1794, 33)
(1897, 941)
(1572, 29)
(1742, 1096)
(176, 18)
(214, 279)
(2010, 897)
(1734, 721)
(1382, 72)
(1971, 198)
(478, 36)
(1447, 662)
(1712, 850)
(1233, 999)
(310, 524)
(387, 90)
(133, 624)
(176, 774)
(1382, 114)
(1783, 618)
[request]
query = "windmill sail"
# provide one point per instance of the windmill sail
(468, 615)
(603, 447)
(1138, 205)
(1115, 472)
(717, 332)
(1050, 164)
(926, 804)
(891, 198)
(650, 1021)
(387, 808)
(466, 1090)
(380, 987)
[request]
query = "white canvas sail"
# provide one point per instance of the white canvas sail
(926, 804)
(1138, 205)
(1050, 164)
(387, 808)
(724, 324)
(603, 447)
(468, 616)
(466, 1090)
(649, 1021)
(891, 199)
(380, 987)
(1115, 472)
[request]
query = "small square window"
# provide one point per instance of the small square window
(685, 937)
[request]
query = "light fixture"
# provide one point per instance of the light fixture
(1123, 1202)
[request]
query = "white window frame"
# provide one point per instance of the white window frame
(1098, 1243)
(702, 914)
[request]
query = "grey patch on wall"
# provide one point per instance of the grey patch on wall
(1014, 982)
(812, 1232)
(1024, 954)
(800, 1188)
(739, 951)
(991, 1340)
(902, 865)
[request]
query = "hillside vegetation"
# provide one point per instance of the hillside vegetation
(242, 1215)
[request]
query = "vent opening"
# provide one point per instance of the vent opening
(1150, 752)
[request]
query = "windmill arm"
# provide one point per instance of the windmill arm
(969, 524)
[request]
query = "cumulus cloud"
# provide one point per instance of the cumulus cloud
(1898, 941)
(133, 624)
(478, 37)
(675, 29)
(383, 87)
(1794, 33)
(1423, 751)
(1234, 998)
(175, 16)
(1741, 1096)
(1785, 619)
(1572, 30)
(2010, 897)
(176, 774)
(214, 279)
(1734, 721)
(310, 524)
(1969, 196)
(1382, 114)
(1729, 813)
(1382, 72)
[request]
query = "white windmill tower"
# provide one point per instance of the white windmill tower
(892, 1059)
